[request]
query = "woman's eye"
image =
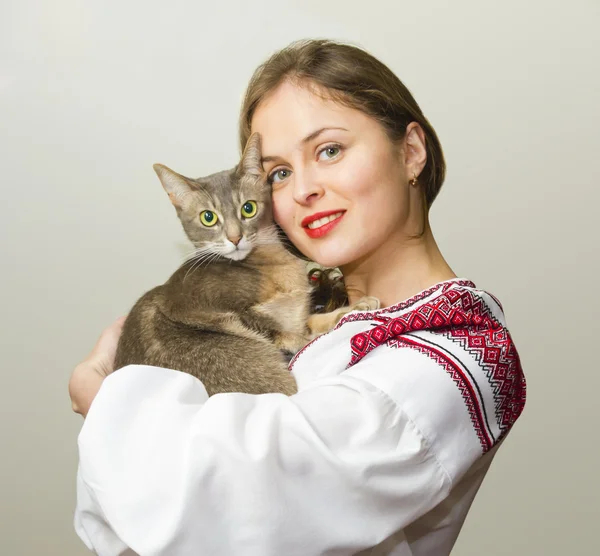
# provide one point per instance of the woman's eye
(330, 152)
(249, 209)
(208, 218)
(279, 175)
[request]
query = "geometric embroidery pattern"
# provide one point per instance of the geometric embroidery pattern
(375, 315)
(496, 354)
(464, 318)
(474, 408)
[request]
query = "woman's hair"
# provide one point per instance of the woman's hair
(353, 78)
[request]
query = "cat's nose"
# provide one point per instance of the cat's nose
(234, 240)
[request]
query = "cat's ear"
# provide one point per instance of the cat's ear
(251, 159)
(175, 185)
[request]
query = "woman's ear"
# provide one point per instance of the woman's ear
(414, 149)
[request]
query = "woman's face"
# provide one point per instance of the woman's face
(340, 186)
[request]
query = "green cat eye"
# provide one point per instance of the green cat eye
(249, 209)
(208, 218)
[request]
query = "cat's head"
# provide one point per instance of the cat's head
(228, 213)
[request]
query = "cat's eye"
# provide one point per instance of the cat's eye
(249, 209)
(208, 218)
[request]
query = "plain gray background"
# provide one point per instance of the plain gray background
(93, 93)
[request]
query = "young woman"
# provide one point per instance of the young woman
(399, 411)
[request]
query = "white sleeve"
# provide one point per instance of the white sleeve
(166, 470)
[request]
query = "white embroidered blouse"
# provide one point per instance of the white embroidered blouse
(398, 415)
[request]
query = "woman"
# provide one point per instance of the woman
(399, 411)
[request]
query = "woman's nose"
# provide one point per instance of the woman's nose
(307, 188)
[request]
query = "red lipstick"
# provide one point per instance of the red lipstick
(323, 229)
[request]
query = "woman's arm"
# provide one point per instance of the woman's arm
(165, 470)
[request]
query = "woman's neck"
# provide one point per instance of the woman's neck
(398, 270)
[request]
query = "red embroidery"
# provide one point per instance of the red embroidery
(465, 319)
(496, 354)
(474, 408)
(377, 315)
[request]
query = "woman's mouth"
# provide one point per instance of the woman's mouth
(321, 226)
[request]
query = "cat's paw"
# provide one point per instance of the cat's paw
(323, 322)
(366, 303)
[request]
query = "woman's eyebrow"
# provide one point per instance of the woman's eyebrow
(307, 139)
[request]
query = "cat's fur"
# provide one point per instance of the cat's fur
(226, 315)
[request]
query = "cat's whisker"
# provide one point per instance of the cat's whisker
(194, 267)
(206, 256)
(200, 257)
(193, 259)
(191, 268)
(189, 256)
(209, 258)
(197, 251)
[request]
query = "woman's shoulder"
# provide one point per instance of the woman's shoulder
(445, 357)
(456, 308)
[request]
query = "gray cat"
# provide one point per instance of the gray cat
(227, 315)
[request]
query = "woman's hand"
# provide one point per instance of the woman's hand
(89, 374)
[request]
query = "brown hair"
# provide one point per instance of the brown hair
(354, 78)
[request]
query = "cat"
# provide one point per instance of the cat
(231, 313)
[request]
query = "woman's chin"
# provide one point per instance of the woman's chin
(329, 252)
(329, 258)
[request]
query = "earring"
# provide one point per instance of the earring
(414, 181)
